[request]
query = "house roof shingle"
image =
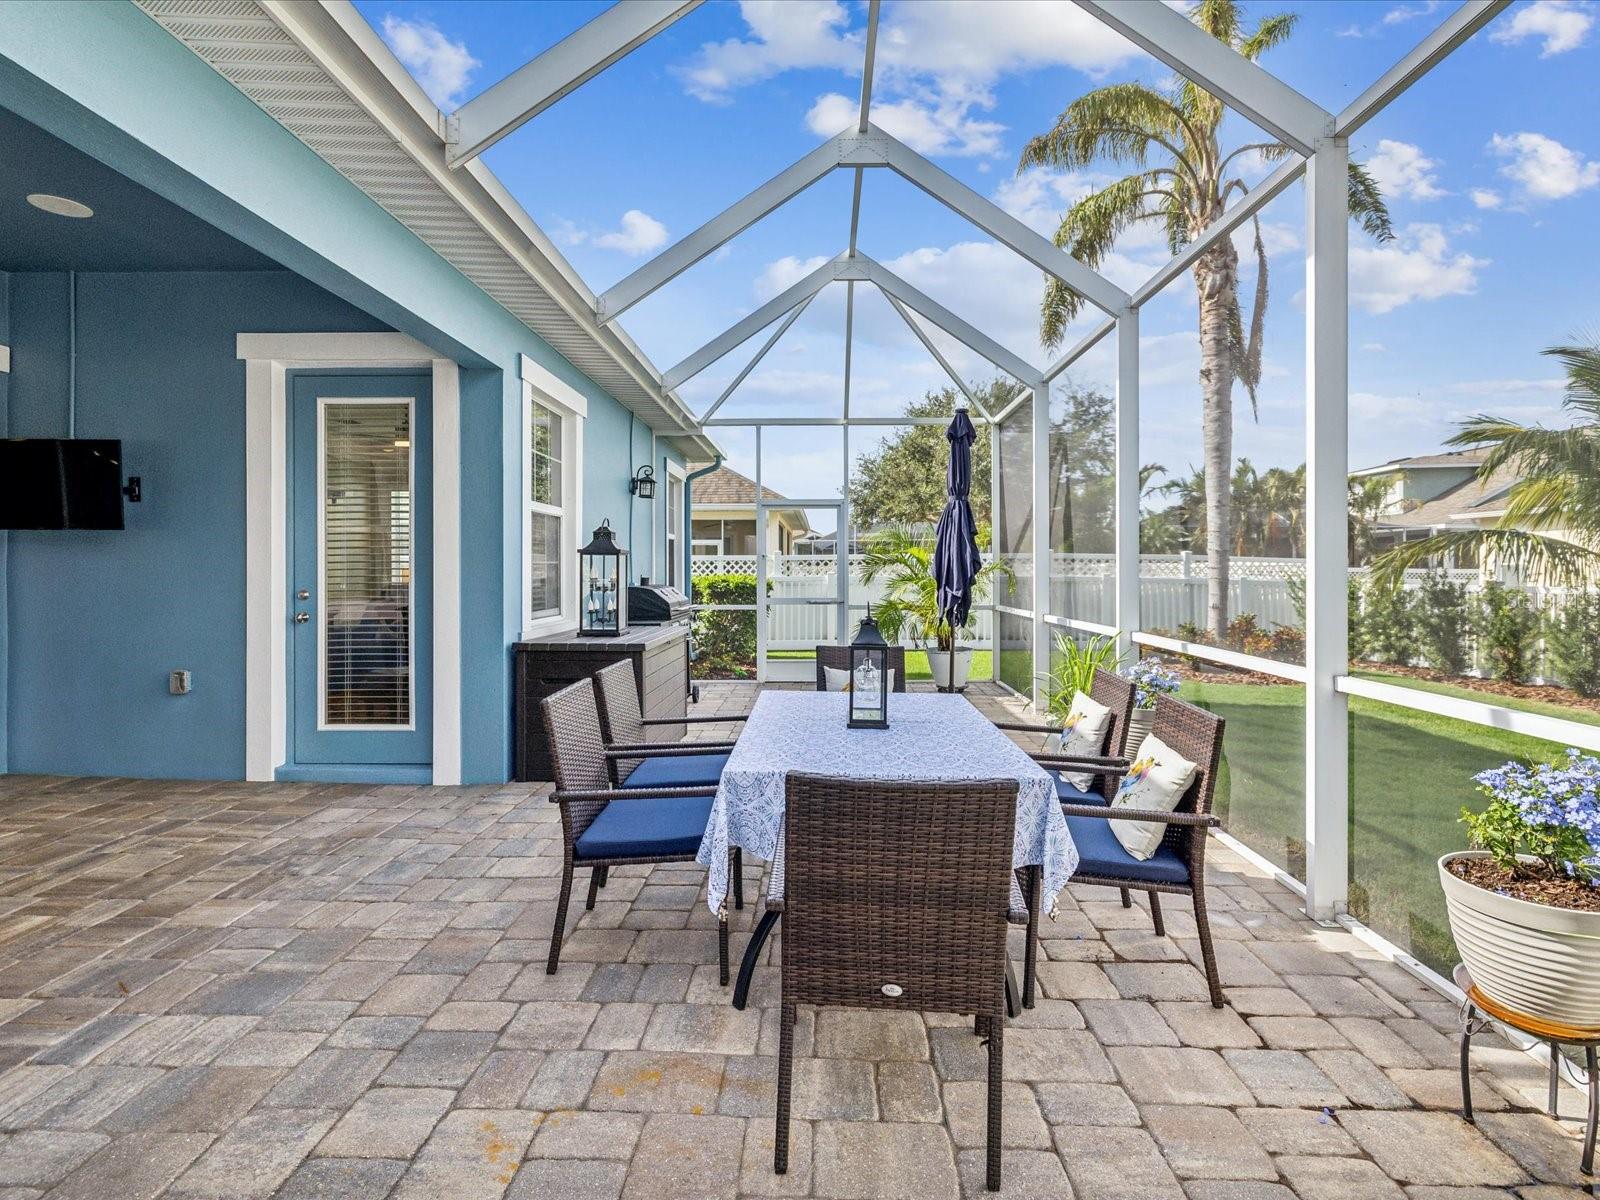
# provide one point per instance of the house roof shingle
(1459, 502)
(727, 486)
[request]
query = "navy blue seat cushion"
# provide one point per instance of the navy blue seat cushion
(1099, 853)
(678, 770)
(646, 828)
(1071, 793)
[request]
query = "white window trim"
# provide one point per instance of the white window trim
(541, 386)
(672, 539)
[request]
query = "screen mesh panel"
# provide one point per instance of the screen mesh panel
(367, 536)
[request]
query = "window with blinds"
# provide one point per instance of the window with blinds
(545, 515)
(367, 534)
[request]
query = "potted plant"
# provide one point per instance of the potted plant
(909, 607)
(1151, 677)
(1072, 667)
(1524, 903)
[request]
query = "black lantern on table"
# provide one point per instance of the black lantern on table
(869, 677)
(602, 586)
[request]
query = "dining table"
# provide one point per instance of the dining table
(937, 737)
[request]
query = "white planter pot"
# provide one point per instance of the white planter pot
(939, 666)
(1536, 960)
(1139, 725)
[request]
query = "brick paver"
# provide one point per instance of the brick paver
(232, 990)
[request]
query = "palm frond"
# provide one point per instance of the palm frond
(1248, 360)
(1367, 204)
(1118, 123)
(1269, 32)
(1088, 232)
(1582, 365)
(1529, 554)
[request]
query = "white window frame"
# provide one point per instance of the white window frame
(540, 386)
(672, 549)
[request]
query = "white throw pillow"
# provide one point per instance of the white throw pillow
(838, 679)
(1155, 782)
(1083, 735)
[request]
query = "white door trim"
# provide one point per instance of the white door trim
(267, 358)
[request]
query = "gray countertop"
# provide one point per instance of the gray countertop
(635, 635)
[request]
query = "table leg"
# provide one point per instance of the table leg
(1594, 1111)
(752, 953)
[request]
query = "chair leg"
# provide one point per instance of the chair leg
(997, 1032)
(1207, 951)
(736, 870)
(1030, 958)
(1155, 914)
(1127, 899)
(561, 922)
(722, 950)
(1589, 1062)
(596, 882)
(780, 1139)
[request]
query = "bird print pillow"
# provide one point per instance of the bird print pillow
(1155, 782)
(1083, 734)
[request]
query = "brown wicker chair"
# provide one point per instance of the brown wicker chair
(668, 764)
(603, 826)
(1178, 865)
(838, 657)
(897, 897)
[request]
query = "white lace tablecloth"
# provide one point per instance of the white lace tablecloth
(930, 736)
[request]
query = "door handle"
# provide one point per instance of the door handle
(300, 618)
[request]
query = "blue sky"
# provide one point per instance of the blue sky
(1491, 167)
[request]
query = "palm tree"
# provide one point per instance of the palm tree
(903, 556)
(1551, 525)
(1187, 190)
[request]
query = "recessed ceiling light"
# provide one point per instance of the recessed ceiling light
(60, 205)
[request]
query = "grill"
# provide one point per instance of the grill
(654, 604)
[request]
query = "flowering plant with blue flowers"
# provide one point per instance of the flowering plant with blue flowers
(1550, 811)
(1150, 678)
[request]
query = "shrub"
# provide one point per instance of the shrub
(1359, 647)
(1444, 623)
(1574, 641)
(1507, 623)
(726, 641)
(1390, 625)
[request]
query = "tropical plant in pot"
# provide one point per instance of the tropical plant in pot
(1072, 668)
(902, 557)
(1524, 903)
(1151, 677)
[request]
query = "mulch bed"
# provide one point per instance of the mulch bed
(1548, 693)
(1537, 886)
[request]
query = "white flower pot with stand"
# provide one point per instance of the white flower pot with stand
(940, 667)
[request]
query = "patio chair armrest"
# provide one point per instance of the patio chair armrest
(695, 720)
(1101, 766)
(666, 749)
(609, 794)
(1022, 728)
(1205, 820)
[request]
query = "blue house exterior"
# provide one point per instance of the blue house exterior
(251, 311)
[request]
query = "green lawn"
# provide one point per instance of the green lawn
(1410, 774)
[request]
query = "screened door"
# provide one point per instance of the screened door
(360, 603)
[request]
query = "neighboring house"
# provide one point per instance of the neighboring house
(373, 408)
(725, 512)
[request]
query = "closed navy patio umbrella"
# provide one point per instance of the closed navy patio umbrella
(955, 548)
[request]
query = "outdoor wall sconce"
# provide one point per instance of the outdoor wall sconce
(643, 484)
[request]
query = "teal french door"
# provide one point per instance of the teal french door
(361, 644)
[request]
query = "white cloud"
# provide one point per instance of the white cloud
(785, 34)
(1486, 198)
(1417, 265)
(1402, 13)
(442, 67)
(1562, 24)
(1401, 169)
(639, 234)
(1542, 168)
(776, 276)
(1373, 347)
(943, 127)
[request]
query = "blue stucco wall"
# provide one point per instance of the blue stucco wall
(97, 619)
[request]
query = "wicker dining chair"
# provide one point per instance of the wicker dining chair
(838, 657)
(666, 764)
(1178, 864)
(604, 826)
(896, 898)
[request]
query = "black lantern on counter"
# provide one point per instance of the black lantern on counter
(602, 586)
(869, 677)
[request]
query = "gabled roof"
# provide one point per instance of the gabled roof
(727, 486)
(1423, 462)
(1467, 501)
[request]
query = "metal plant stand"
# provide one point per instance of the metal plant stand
(1479, 1012)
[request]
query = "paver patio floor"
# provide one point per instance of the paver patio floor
(235, 990)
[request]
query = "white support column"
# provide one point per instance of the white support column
(995, 546)
(1041, 539)
(1327, 473)
(1126, 618)
(446, 572)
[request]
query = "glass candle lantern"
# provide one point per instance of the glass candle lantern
(602, 586)
(869, 677)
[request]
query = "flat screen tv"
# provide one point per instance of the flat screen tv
(57, 483)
